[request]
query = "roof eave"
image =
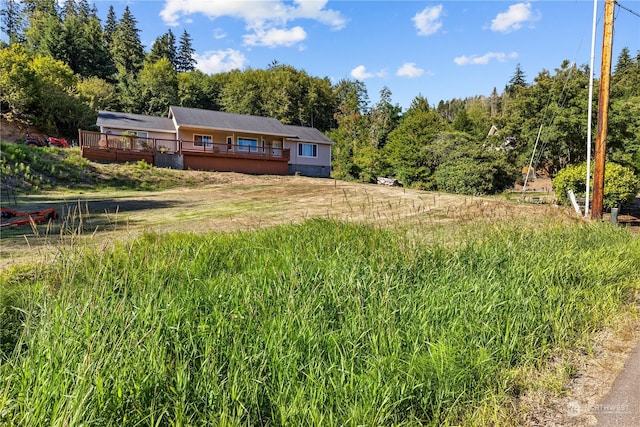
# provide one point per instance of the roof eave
(261, 132)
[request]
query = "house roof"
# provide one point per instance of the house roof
(208, 119)
(110, 119)
(308, 134)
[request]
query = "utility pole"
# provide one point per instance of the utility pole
(603, 110)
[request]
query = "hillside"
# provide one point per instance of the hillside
(26, 170)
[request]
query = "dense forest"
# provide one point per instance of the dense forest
(61, 65)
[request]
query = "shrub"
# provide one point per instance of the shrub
(473, 176)
(620, 184)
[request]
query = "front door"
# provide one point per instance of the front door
(277, 149)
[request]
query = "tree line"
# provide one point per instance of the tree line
(61, 65)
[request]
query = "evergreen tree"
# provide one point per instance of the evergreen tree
(419, 103)
(70, 8)
(126, 48)
(164, 47)
(462, 122)
(352, 103)
(98, 61)
(184, 60)
(82, 48)
(383, 118)
(624, 114)
(76, 48)
(11, 20)
(495, 102)
(625, 80)
(624, 61)
(110, 26)
(44, 34)
(517, 80)
(84, 11)
(407, 149)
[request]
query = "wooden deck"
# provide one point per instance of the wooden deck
(104, 147)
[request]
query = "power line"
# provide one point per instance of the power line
(627, 9)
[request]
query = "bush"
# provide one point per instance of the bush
(620, 184)
(479, 173)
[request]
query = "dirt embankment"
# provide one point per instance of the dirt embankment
(13, 131)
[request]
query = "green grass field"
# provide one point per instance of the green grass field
(319, 323)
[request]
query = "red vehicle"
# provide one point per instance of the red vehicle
(11, 217)
(57, 142)
(34, 141)
(50, 141)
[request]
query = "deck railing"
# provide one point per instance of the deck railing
(132, 142)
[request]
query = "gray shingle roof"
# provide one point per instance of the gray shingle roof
(194, 117)
(112, 119)
(307, 134)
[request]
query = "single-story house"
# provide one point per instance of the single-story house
(191, 138)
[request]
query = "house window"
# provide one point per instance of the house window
(307, 150)
(247, 145)
(229, 143)
(138, 133)
(199, 140)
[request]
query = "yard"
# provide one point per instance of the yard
(223, 202)
(289, 300)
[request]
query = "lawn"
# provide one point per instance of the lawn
(246, 300)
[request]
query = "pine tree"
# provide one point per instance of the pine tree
(518, 80)
(110, 26)
(98, 61)
(126, 48)
(624, 61)
(11, 20)
(419, 103)
(83, 10)
(69, 8)
(494, 102)
(184, 60)
(44, 34)
(164, 47)
(383, 118)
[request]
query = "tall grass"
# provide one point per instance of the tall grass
(322, 323)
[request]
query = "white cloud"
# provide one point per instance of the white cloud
(219, 33)
(513, 18)
(275, 37)
(361, 73)
(217, 61)
(409, 70)
(266, 20)
(484, 59)
(428, 21)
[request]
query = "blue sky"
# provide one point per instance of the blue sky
(440, 50)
